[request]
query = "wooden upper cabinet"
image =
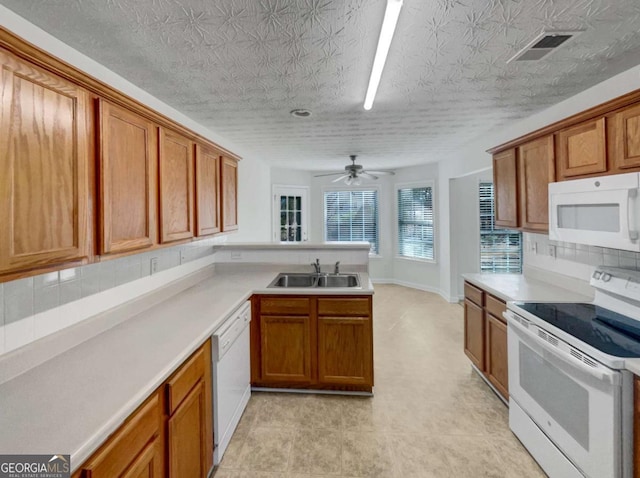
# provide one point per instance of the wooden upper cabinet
(176, 187)
(505, 180)
(536, 169)
(581, 149)
(207, 191)
(128, 180)
(45, 164)
(624, 138)
(229, 168)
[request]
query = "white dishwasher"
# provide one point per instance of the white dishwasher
(231, 377)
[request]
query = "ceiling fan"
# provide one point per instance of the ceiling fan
(353, 173)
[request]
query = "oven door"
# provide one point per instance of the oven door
(577, 406)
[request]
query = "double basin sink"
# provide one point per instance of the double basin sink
(301, 279)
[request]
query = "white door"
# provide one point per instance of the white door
(290, 206)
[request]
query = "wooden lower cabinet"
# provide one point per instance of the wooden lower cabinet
(496, 354)
(286, 348)
(170, 435)
(485, 336)
(636, 428)
(135, 449)
(474, 333)
(312, 342)
(188, 436)
(344, 348)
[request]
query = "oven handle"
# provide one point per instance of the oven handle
(601, 375)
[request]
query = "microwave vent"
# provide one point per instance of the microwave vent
(542, 45)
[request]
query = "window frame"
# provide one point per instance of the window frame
(430, 183)
(329, 189)
(500, 231)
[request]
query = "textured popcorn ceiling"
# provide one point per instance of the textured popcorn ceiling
(240, 66)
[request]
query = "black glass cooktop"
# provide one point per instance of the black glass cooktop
(607, 331)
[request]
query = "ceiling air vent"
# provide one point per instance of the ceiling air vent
(543, 45)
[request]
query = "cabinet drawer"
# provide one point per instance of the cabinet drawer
(284, 306)
(185, 379)
(495, 307)
(474, 294)
(344, 307)
(121, 450)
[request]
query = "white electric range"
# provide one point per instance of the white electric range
(571, 400)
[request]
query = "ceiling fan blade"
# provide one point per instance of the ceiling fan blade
(340, 178)
(327, 174)
(381, 173)
(367, 175)
(349, 180)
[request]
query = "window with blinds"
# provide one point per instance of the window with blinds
(415, 223)
(500, 249)
(351, 216)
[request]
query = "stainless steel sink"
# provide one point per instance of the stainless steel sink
(309, 280)
(294, 280)
(339, 280)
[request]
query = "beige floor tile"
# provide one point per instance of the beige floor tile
(364, 414)
(518, 462)
(473, 457)
(223, 473)
(231, 458)
(321, 411)
(280, 410)
(266, 449)
(316, 451)
(418, 456)
(366, 454)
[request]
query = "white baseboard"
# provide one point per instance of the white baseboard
(414, 285)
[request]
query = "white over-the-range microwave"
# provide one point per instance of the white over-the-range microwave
(602, 211)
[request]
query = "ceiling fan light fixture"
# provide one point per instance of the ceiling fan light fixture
(389, 23)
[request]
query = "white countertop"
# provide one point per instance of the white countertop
(73, 402)
(517, 287)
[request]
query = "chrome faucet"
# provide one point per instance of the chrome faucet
(336, 270)
(316, 265)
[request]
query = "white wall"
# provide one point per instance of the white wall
(254, 173)
(465, 227)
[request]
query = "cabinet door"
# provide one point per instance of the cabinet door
(176, 187)
(285, 349)
(536, 169)
(345, 355)
(624, 138)
(505, 181)
(44, 164)
(496, 363)
(188, 454)
(150, 462)
(229, 194)
(582, 149)
(636, 429)
(474, 333)
(207, 191)
(128, 180)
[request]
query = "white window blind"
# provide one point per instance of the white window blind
(500, 249)
(352, 216)
(415, 222)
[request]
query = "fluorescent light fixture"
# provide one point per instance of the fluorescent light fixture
(384, 42)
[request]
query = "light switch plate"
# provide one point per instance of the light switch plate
(551, 250)
(154, 265)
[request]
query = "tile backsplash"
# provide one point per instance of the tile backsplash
(24, 301)
(575, 260)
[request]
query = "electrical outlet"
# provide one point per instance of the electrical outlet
(551, 249)
(154, 265)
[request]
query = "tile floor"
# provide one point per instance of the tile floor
(431, 415)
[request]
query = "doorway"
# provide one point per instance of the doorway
(290, 211)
